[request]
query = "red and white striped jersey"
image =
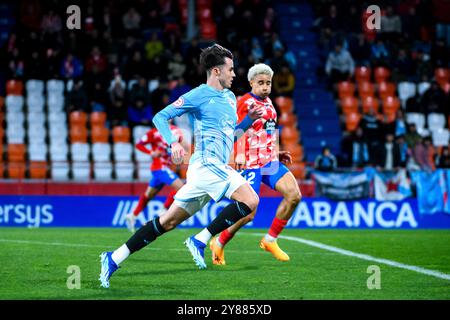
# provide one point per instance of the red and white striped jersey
(260, 138)
(157, 143)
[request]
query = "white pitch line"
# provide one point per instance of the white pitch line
(391, 263)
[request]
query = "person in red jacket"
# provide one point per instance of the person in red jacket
(161, 172)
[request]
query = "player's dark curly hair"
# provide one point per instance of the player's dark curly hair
(214, 56)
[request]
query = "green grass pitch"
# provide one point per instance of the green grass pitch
(34, 265)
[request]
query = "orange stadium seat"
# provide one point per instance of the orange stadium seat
(14, 87)
(391, 105)
(287, 119)
(2, 103)
(38, 169)
(298, 169)
(2, 170)
(296, 151)
(381, 74)
(349, 105)
(289, 134)
(369, 102)
(284, 103)
(99, 134)
(352, 121)
(365, 89)
(78, 134)
(78, 118)
(442, 75)
(121, 134)
(445, 87)
(16, 152)
(386, 89)
(346, 89)
(362, 74)
(98, 118)
(16, 170)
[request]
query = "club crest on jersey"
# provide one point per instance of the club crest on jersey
(179, 102)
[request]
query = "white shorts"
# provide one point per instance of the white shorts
(205, 182)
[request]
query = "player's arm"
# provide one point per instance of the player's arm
(141, 145)
(254, 112)
(239, 146)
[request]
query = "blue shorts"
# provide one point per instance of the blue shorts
(269, 175)
(162, 177)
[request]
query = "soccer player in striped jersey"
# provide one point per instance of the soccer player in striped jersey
(162, 174)
(256, 152)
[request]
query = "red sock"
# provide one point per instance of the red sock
(225, 236)
(276, 227)
(169, 199)
(143, 200)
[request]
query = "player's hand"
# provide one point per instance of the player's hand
(239, 162)
(178, 153)
(255, 111)
(285, 157)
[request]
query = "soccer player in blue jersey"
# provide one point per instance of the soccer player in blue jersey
(212, 107)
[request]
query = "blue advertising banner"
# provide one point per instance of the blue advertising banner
(110, 211)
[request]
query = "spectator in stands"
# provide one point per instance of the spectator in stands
(391, 24)
(284, 82)
(423, 66)
(77, 99)
(412, 137)
(325, 161)
(35, 68)
(411, 24)
(340, 65)
(153, 47)
(139, 93)
(443, 160)
(98, 98)
(181, 88)
(440, 54)
(136, 66)
(51, 61)
(176, 66)
(16, 65)
(371, 127)
(159, 98)
(140, 113)
(117, 112)
(423, 154)
(379, 54)
(257, 52)
(434, 99)
(359, 150)
(96, 62)
(71, 67)
(413, 104)
(400, 123)
(402, 67)
(360, 50)
(388, 156)
(240, 83)
(131, 21)
(404, 150)
(51, 26)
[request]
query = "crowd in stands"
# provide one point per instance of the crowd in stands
(412, 44)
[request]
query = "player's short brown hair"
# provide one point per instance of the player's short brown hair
(214, 56)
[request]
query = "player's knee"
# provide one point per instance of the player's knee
(252, 202)
(169, 224)
(294, 197)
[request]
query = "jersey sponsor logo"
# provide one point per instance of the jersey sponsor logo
(179, 102)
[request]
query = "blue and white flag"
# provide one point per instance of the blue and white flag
(342, 186)
(392, 186)
(432, 191)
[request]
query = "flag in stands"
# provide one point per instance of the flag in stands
(394, 186)
(432, 191)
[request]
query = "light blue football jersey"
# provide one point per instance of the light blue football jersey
(214, 117)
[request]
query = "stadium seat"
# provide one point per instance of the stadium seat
(349, 105)
(55, 86)
(14, 103)
(2, 168)
(35, 102)
(55, 102)
(440, 137)
(97, 118)
(204, 15)
(153, 84)
(15, 133)
(99, 134)
(38, 169)
(36, 118)
(14, 87)
(346, 89)
(122, 151)
(131, 83)
(101, 152)
(124, 171)
(2, 103)
(381, 74)
(406, 90)
(79, 151)
(141, 156)
(16, 169)
(139, 132)
(296, 151)
(59, 152)
(121, 134)
(58, 117)
(390, 105)
(81, 171)
(60, 171)
(78, 134)
(34, 86)
(16, 152)
(369, 102)
(78, 118)
(386, 89)
(362, 74)
(422, 87)
(352, 121)
(442, 75)
(36, 134)
(298, 169)
(289, 134)
(143, 171)
(15, 118)
(436, 121)
(37, 152)
(103, 171)
(284, 103)
(287, 119)
(58, 132)
(417, 118)
(208, 31)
